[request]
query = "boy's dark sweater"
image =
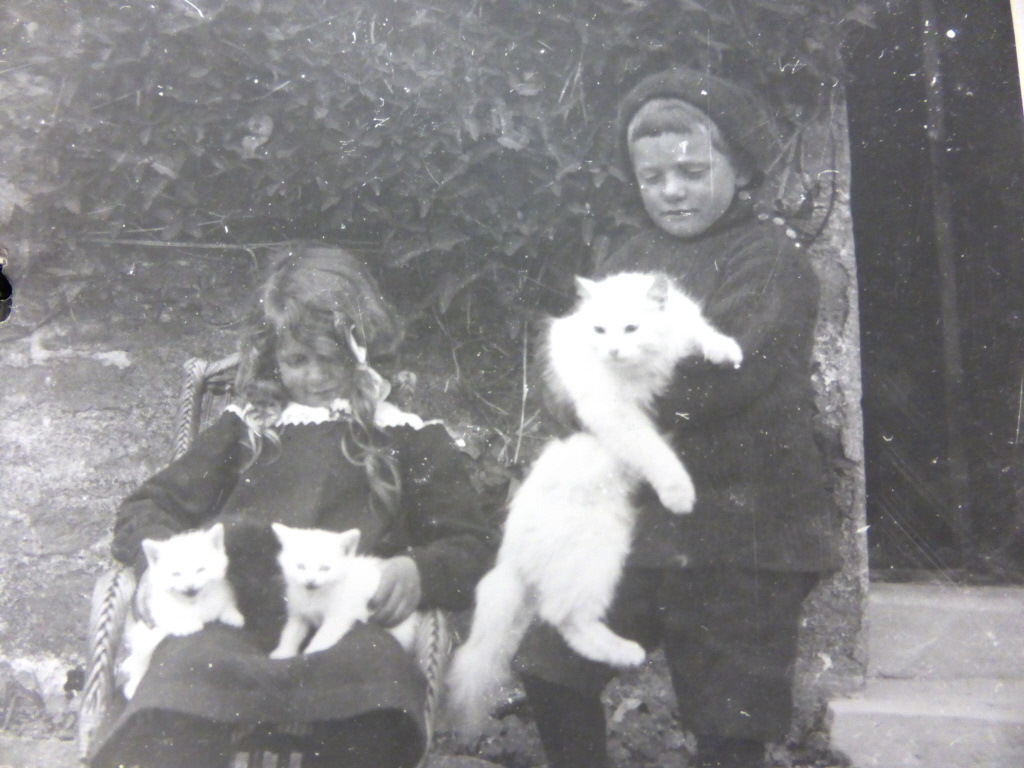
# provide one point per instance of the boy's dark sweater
(746, 435)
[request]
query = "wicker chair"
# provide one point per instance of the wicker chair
(206, 388)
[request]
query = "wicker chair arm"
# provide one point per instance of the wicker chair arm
(433, 648)
(111, 600)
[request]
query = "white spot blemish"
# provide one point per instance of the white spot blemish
(116, 357)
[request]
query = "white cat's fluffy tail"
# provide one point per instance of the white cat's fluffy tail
(483, 663)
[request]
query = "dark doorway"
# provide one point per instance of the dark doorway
(922, 516)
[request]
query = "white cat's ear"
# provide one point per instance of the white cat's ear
(658, 292)
(152, 550)
(281, 531)
(584, 287)
(349, 541)
(216, 534)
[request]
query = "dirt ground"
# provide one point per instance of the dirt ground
(90, 361)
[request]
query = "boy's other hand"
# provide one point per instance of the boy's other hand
(399, 592)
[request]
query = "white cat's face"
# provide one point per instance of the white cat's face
(188, 562)
(313, 558)
(623, 320)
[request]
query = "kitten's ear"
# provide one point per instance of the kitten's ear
(658, 292)
(349, 541)
(281, 531)
(584, 288)
(152, 550)
(216, 534)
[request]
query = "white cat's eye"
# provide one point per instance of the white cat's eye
(631, 328)
(599, 329)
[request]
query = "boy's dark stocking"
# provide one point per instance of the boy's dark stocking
(720, 752)
(571, 724)
(730, 639)
(387, 739)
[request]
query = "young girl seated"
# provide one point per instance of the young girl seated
(311, 443)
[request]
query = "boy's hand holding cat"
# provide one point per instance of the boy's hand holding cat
(399, 592)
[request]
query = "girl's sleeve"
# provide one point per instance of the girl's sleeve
(183, 496)
(768, 302)
(453, 539)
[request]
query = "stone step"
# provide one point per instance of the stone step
(966, 723)
(17, 752)
(452, 761)
(926, 631)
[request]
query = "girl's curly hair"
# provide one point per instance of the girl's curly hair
(323, 298)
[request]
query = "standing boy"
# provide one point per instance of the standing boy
(720, 589)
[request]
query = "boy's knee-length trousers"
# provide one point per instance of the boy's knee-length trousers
(729, 635)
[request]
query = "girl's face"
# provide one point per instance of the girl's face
(686, 183)
(314, 377)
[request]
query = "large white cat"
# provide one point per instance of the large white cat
(183, 589)
(570, 524)
(616, 353)
(328, 587)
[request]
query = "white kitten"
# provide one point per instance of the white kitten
(328, 588)
(570, 524)
(184, 588)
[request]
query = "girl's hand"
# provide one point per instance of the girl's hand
(399, 592)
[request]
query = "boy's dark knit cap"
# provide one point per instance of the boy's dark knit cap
(739, 114)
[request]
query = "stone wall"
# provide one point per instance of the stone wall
(833, 656)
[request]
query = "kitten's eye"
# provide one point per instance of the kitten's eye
(324, 568)
(301, 567)
(598, 329)
(201, 569)
(631, 328)
(176, 575)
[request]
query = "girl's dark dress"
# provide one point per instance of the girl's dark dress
(224, 674)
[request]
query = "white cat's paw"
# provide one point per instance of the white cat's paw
(282, 653)
(127, 676)
(186, 628)
(679, 496)
(233, 618)
(724, 350)
(130, 686)
(628, 654)
(316, 646)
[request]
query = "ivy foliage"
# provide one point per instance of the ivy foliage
(467, 140)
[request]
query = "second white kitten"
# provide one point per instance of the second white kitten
(328, 588)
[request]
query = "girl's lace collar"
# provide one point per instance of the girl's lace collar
(294, 414)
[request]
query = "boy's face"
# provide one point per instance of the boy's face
(686, 183)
